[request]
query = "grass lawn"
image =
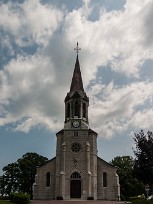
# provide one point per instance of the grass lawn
(5, 202)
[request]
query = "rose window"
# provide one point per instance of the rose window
(76, 147)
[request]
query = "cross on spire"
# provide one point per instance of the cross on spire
(77, 48)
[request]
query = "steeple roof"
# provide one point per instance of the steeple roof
(77, 83)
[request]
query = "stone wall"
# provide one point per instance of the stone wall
(112, 189)
(40, 190)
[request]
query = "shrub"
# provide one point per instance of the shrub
(11, 197)
(136, 198)
(20, 198)
(122, 197)
(142, 201)
(4, 198)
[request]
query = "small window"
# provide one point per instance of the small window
(75, 134)
(105, 179)
(48, 179)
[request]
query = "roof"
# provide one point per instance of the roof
(77, 83)
(106, 162)
(93, 132)
(47, 162)
(60, 132)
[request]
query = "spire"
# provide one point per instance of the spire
(77, 83)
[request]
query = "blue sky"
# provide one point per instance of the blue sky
(36, 64)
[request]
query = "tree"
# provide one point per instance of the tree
(143, 167)
(129, 185)
(20, 176)
(8, 182)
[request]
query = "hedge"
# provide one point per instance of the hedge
(20, 198)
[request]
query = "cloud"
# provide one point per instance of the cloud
(34, 82)
(30, 21)
(28, 89)
(118, 108)
(112, 38)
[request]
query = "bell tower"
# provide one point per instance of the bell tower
(76, 101)
(76, 152)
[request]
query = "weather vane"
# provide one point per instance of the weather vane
(77, 48)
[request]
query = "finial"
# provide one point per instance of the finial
(77, 48)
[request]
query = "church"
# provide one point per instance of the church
(76, 172)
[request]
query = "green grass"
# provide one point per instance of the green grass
(5, 202)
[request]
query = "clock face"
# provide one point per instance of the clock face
(76, 124)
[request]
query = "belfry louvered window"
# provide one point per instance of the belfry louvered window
(77, 109)
(84, 110)
(68, 110)
(75, 175)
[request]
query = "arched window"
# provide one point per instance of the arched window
(84, 110)
(75, 175)
(77, 109)
(48, 179)
(68, 110)
(104, 179)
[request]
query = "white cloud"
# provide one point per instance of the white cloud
(118, 108)
(33, 86)
(38, 121)
(30, 21)
(143, 119)
(28, 89)
(116, 37)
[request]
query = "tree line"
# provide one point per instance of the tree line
(134, 173)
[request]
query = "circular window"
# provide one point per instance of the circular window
(76, 147)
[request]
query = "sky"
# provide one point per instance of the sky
(37, 58)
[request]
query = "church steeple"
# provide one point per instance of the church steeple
(76, 83)
(76, 101)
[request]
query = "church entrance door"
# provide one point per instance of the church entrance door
(75, 189)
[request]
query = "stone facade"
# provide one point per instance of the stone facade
(76, 171)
